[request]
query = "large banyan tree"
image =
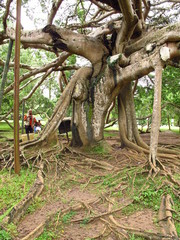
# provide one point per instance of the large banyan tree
(123, 40)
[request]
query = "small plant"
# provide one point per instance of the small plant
(4, 235)
(84, 222)
(132, 237)
(67, 217)
(12, 229)
(46, 235)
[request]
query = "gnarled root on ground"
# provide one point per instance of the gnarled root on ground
(165, 218)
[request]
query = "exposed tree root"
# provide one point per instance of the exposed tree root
(36, 232)
(141, 232)
(137, 232)
(66, 159)
(93, 218)
(165, 217)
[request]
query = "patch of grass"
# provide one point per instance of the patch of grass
(99, 149)
(37, 203)
(5, 235)
(67, 217)
(84, 222)
(150, 195)
(14, 187)
(11, 230)
(173, 129)
(130, 209)
(6, 135)
(177, 225)
(133, 237)
(5, 127)
(111, 134)
(47, 235)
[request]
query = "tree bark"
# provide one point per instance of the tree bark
(6, 68)
(156, 116)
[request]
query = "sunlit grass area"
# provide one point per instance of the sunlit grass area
(7, 131)
(162, 128)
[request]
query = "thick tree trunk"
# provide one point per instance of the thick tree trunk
(90, 106)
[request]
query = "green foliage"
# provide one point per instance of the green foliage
(170, 93)
(170, 96)
(4, 235)
(85, 221)
(81, 12)
(34, 58)
(132, 237)
(71, 60)
(67, 217)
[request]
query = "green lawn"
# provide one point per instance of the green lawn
(162, 128)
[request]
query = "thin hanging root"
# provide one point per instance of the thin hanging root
(165, 217)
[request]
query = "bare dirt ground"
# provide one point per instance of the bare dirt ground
(88, 195)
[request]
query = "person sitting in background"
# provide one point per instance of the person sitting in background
(37, 126)
(30, 121)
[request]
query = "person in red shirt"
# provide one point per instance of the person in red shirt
(30, 121)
